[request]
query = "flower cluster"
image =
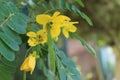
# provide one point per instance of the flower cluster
(35, 38)
(57, 24)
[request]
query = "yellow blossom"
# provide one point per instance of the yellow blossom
(68, 27)
(54, 22)
(35, 38)
(29, 63)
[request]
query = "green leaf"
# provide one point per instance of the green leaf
(90, 49)
(4, 77)
(45, 6)
(6, 52)
(9, 14)
(65, 60)
(11, 64)
(41, 66)
(74, 9)
(12, 34)
(12, 23)
(68, 6)
(18, 23)
(7, 69)
(73, 74)
(66, 67)
(68, 61)
(61, 4)
(9, 41)
(80, 3)
(6, 9)
(61, 71)
(87, 19)
(84, 43)
(83, 15)
(52, 4)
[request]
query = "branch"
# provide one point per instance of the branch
(10, 15)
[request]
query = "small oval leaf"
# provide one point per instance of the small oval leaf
(9, 41)
(80, 3)
(18, 23)
(6, 52)
(84, 43)
(12, 34)
(87, 19)
(61, 4)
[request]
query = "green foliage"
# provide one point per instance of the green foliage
(64, 6)
(7, 69)
(58, 60)
(86, 18)
(66, 67)
(6, 52)
(9, 41)
(80, 3)
(84, 43)
(61, 4)
(12, 23)
(17, 23)
(41, 66)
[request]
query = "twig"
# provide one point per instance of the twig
(10, 15)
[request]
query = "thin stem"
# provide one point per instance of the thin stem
(43, 48)
(24, 75)
(28, 51)
(51, 53)
(10, 15)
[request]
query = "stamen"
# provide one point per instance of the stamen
(40, 38)
(51, 24)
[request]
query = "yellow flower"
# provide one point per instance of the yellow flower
(36, 38)
(54, 22)
(68, 27)
(29, 63)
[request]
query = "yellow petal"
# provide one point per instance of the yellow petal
(56, 14)
(32, 42)
(65, 32)
(43, 19)
(44, 40)
(65, 18)
(29, 63)
(25, 66)
(31, 34)
(43, 32)
(32, 62)
(72, 28)
(74, 22)
(60, 19)
(55, 32)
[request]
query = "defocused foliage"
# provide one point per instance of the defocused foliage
(106, 19)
